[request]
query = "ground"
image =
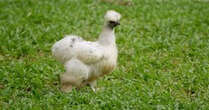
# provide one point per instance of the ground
(163, 58)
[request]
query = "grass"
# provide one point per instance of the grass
(163, 54)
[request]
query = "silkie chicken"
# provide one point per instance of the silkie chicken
(86, 61)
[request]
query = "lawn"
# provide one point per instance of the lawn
(163, 58)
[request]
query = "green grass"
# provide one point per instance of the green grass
(163, 54)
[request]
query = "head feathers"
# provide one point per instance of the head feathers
(112, 15)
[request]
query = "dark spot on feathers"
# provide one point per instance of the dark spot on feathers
(71, 46)
(103, 57)
(73, 39)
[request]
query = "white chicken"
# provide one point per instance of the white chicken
(86, 61)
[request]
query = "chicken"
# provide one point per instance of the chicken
(86, 61)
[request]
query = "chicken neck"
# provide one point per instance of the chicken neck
(107, 36)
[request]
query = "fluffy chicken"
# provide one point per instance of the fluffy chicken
(86, 61)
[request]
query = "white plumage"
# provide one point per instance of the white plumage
(86, 61)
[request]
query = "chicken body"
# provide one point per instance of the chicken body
(86, 61)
